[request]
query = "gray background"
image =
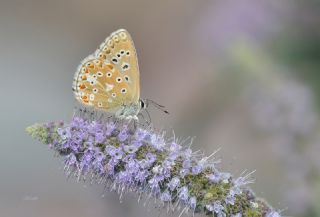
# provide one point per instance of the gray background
(241, 75)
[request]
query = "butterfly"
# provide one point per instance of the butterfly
(109, 79)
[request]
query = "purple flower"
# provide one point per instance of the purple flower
(230, 199)
(71, 160)
(217, 207)
(85, 161)
(78, 137)
(196, 169)
(99, 136)
(175, 181)
(142, 161)
(110, 128)
(98, 162)
(136, 143)
(174, 147)
(184, 172)
(187, 153)
(130, 149)
(183, 194)
(151, 158)
(209, 207)
(77, 122)
(124, 177)
(157, 141)
(273, 214)
(217, 177)
(64, 133)
(144, 164)
(114, 152)
(140, 134)
(193, 202)
(132, 166)
(123, 134)
(154, 184)
(142, 175)
(165, 196)
(186, 164)
(167, 166)
(157, 170)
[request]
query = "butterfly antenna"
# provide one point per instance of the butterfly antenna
(158, 106)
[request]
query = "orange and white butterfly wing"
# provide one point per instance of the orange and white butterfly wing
(110, 78)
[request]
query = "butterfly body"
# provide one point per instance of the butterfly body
(128, 111)
(109, 78)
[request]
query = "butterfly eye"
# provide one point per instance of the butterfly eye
(94, 76)
(95, 90)
(97, 62)
(118, 55)
(109, 74)
(99, 104)
(114, 60)
(128, 53)
(122, 52)
(114, 95)
(119, 80)
(123, 90)
(100, 74)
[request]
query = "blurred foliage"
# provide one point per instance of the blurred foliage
(298, 46)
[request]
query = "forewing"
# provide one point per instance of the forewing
(110, 78)
(119, 49)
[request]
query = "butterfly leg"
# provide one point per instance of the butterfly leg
(147, 121)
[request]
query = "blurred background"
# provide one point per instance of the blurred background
(241, 75)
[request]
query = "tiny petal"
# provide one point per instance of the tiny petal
(215, 177)
(217, 207)
(165, 196)
(183, 193)
(209, 207)
(273, 214)
(130, 149)
(230, 199)
(193, 202)
(174, 147)
(196, 169)
(140, 134)
(174, 183)
(157, 141)
(123, 135)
